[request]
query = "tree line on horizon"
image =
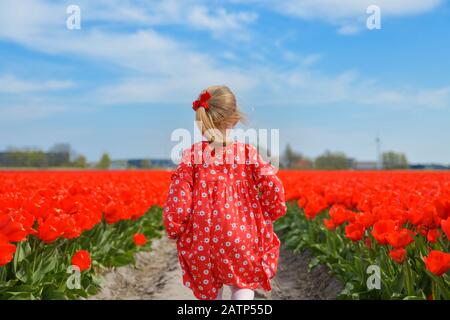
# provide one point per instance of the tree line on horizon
(62, 155)
(290, 159)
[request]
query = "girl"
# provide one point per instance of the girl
(222, 202)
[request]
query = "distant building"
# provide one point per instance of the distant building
(135, 163)
(5, 159)
(162, 163)
(142, 164)
(119, 164)
(428, 166)
(55, 159)
(364, 165)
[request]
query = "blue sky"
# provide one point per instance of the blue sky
(126, 79)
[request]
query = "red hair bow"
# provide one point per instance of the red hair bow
(202, 102)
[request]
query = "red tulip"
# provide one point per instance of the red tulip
(301, 202)
(329, 224)
(12, 228)
(354, 231)
(430, 215)
(433, 235)
(82, 259)
(51, 228)
(139, 239)
(445, 225)
(381, 230)
(314, 206)
(437, 262)
(415, 216)
(339, 215)
(398, 255)
(366, 219)
(7, 250)
(400, 238)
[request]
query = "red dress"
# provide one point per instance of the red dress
(221, 212)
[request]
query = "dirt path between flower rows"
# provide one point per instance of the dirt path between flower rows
(157, 275)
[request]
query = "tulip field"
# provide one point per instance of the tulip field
(60, 229)
(50, 221)
(354, 222)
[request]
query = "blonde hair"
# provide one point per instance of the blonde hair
(222, 114)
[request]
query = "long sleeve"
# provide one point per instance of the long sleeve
(178, 205)
(271, 189)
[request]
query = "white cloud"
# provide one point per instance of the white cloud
(179, 89)
(220, 21)
(118, 11)
(18, 113)
(348, 15)
(266, 87)
(302, 60)
(11, 84)
(165, 64)
(159, 69)
(305, 87)
(435, 98)
(349, 29)
(339, 9)
(188, 13)
(311, 59)
(21, 20)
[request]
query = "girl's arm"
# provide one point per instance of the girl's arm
(271, 189)
(178, 205)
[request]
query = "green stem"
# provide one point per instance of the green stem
(408, 279)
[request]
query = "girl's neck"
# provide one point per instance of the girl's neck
(225, 143)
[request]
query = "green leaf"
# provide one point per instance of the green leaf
(398, 283)
(313, 263)
(52, 293)
(22, 296)
(21, 288)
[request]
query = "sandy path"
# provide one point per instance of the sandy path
(157, 275)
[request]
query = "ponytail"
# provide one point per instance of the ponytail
(207, 126)
(218, 114)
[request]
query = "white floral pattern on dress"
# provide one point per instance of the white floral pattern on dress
(222, 215)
